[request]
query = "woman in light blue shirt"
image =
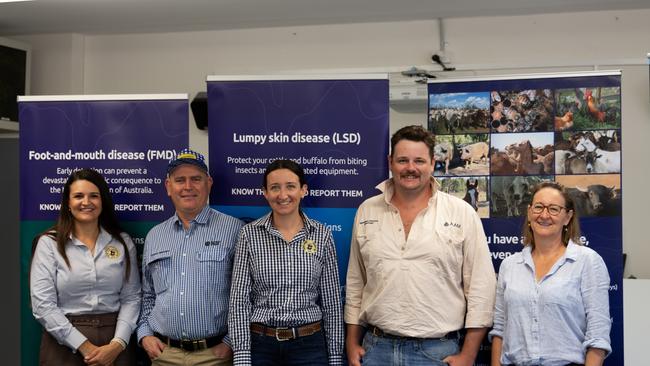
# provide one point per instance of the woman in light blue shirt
(552, 304)
(84, 282)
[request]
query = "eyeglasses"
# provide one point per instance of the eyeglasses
(553, 210)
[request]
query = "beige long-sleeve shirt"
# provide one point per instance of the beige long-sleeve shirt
(440, 279)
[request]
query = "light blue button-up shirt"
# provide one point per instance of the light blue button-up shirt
(553, 321)
(94, 283)
(186, 276)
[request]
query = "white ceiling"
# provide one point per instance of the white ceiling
(141, 16)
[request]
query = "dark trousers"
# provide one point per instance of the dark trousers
(98, 328)
(303, 351)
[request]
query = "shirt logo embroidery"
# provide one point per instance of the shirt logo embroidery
(366, 222)
(456, 225)
(212, 242)
(309, 246)
(112, 252)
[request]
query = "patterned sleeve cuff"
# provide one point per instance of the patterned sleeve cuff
(143, 331)
(242, 358)
(336, 360)
(226, 340)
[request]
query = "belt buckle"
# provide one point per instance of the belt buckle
(193, 345)
(377, 332)
(200, 344)
(277, 334)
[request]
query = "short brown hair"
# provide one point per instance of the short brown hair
(571, 230)
(413, 133)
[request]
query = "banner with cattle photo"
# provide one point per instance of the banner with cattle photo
(498, 137)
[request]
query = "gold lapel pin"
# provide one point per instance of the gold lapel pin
(112, 252)
(309, 246)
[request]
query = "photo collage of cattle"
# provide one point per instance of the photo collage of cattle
(493, 146)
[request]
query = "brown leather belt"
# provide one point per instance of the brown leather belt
(286, 333)
(380, 333)
(93, 320)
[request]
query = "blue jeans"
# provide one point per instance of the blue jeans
(303, 351)
(382, 351)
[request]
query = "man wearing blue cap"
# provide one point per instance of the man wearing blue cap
(186, 271)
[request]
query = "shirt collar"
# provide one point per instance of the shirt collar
(102, 239)
(571, 251)
(267, 223)
(526, 256)
(202, 218)
(571, 254)
(387, 187)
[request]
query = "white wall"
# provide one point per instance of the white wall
(179, 62)
(636, 321)
(57, 64)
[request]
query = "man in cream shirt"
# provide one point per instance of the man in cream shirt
(419, 270)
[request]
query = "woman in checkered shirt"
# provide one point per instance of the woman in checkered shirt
(285, 306)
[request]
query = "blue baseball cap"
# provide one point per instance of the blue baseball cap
(187, 156)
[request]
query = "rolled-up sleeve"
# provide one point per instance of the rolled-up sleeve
(499, 306)
(595, 296)
(479, 280)
(43, 291)
(355, 279)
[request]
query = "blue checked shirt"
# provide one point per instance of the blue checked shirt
(186, 276)
(282, 284)
(552, 322)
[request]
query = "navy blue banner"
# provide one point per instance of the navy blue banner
(129, 139)
(336, 128)
(497, 138)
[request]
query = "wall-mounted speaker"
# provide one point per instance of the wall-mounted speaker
(199, 106)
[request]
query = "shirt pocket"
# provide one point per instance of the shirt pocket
(448, 258)
(375, 248)
(213, 266)
(563, 292)
(311, 262)
(159, 265)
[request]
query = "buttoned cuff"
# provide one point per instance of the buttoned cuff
(242, 358)
(143, 331)
(226, 340)
(336, 360)
(75, 339)
(123, 332)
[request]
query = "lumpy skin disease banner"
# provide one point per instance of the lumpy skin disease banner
(128, 138)
(336, 127)
(495, 138)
